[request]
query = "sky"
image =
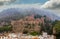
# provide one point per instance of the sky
(53, 5)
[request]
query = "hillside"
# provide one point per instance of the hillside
(32, 23)
(27, 21)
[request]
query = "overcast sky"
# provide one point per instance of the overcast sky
(53, 5)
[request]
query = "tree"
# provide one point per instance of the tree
(37, 16)
(34, 33)
(25, 31)
(5, 28)
(56, 29)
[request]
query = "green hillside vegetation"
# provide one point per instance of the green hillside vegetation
(5, 28)
(57, 28)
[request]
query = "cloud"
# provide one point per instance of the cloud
(20, 6)
(6, 2)
(51, 4)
